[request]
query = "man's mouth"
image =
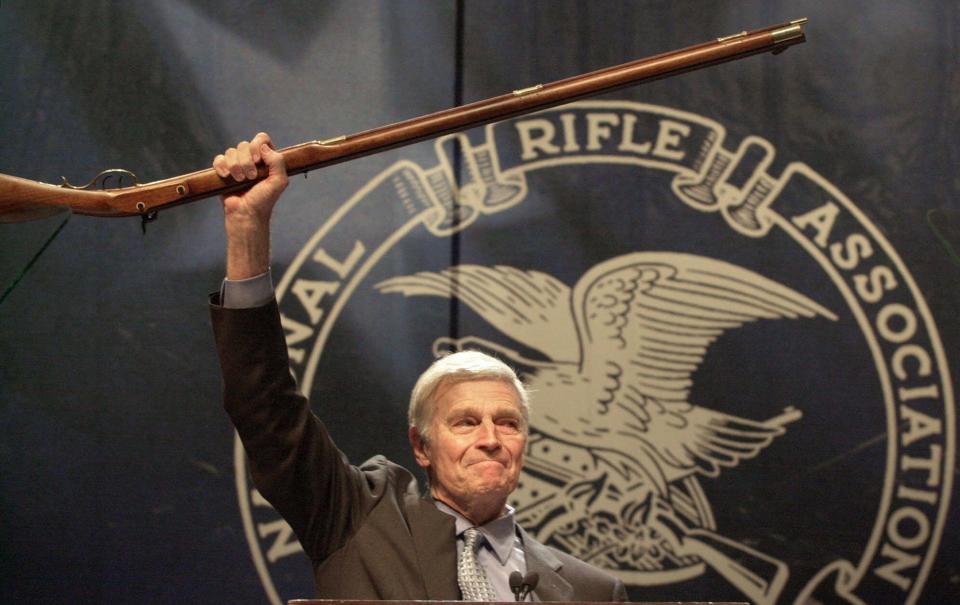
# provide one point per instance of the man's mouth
(476, 462)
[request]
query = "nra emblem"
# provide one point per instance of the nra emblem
(739, 390)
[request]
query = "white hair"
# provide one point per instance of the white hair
(464, 366)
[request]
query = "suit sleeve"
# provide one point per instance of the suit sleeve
(293, 460)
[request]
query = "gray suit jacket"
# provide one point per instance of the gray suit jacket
(368, 530)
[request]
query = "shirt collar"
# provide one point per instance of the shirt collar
(501, 533)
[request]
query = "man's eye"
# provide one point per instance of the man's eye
(510, 424)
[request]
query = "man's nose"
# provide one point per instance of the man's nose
(488, 438)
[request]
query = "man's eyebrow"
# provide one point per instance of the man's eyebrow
(463, 408)
(473, 408)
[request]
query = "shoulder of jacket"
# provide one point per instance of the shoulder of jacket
(381, 473)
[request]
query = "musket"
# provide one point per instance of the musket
(23, 199)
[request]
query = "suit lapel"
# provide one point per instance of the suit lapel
(552, 586)
(434, 539)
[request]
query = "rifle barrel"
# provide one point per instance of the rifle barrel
(19, 202)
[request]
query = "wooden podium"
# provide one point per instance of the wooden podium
(341, 602)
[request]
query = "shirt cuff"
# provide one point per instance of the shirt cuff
(247, 293)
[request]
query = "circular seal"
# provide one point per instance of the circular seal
(740, 389)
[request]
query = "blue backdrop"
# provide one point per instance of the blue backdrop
(826, 176)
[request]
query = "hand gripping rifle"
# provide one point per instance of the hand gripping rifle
(24, 200)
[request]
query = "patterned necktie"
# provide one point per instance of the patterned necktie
(470, 575)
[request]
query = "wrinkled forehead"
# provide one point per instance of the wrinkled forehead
(478, 392)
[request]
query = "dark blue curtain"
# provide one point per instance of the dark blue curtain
(788, 227)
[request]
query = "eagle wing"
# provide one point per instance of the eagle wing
(645, 322)
(530, 307)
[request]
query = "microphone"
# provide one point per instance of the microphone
(529, 584)
(516, 584)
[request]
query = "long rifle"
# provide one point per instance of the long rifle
(24, 200)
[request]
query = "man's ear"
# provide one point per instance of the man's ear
(420, 447)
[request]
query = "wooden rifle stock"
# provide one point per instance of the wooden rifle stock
(23, 200)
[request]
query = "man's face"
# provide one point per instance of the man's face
(476, 446)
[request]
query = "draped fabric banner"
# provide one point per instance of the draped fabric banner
(732, 292)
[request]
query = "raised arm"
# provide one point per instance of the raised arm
(293, 461)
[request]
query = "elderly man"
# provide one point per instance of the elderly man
(369, 531)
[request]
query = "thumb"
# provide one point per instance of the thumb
(274, 160)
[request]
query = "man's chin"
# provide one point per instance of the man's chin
(498, 486)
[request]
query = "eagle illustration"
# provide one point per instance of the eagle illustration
(621, 349)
